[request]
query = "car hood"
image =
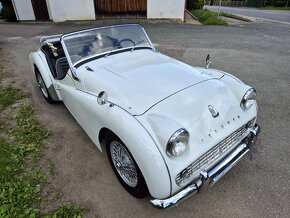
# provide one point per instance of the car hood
(140, 79)
(189, 109)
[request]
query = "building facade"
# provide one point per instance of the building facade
(62, 10)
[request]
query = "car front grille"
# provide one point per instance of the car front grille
(213, 154)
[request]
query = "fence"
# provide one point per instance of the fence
(229, 3)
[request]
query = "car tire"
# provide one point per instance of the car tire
(125, 167)
(43, 87)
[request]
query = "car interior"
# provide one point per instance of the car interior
(79, 48)
(56, 59)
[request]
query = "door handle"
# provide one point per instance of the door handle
(57, 87)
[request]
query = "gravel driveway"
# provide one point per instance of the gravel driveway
(257, 53)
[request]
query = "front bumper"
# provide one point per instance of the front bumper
(212, 176)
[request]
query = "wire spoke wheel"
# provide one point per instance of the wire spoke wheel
(124, 163)
(41, 85)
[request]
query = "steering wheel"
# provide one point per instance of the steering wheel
(124, 40)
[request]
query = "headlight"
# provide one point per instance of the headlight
(249, 99)
(178, 142)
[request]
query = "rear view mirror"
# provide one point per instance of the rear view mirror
(207, 61)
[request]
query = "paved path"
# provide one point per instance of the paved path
(275, 15)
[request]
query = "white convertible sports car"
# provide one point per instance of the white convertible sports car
(168, 128)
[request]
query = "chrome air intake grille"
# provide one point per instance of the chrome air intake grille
(213, 154)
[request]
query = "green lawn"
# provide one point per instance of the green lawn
(21, 148)
(207, 17)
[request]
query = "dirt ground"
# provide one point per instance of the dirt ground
(257, 53)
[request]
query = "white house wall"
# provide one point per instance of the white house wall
(23, 9)
(61, 10)
(172, 9)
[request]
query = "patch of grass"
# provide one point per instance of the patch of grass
(29, 131)
(19, 191)
(234, 16)
(50, 167)
(20, 187)
(21, 140)
(56, 196)
(3, 72)
(9, 96)
(207, 17)
(275, 8)
(67, 210)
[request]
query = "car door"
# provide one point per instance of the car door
(82, 105)
(70, 95)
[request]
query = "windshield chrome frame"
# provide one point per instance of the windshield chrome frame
(72, 66)
(46, 39)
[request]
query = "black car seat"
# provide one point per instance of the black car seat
(52, 57)
(61, 67)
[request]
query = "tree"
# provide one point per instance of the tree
(195, 4)
(7, 11)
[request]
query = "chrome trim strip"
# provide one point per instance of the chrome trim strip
(104, 53)
(72, 68)
(208, 158)
(98, 28)
(178, 198)
(245, 98)
(227, 160)
(213, 175)
(172, 139)
(230, 166)
(153, 48)
(44, 38)
(255, 130)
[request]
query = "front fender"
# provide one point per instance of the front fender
(37, 59)
(237, 87)
(144, 151)
(94, 117)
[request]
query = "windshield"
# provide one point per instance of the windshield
(89, 43)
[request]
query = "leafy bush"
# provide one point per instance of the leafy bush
(194, 4)
(7, 11)
(253, 3)
(276, 3)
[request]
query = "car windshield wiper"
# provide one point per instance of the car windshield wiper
(114, 49)
(137, 44)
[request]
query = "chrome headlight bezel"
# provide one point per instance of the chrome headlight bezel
(177, 143)
(248, 99)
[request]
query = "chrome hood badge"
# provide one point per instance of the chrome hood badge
(213, 111)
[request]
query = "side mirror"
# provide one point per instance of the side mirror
(207, 61)
(102, 98)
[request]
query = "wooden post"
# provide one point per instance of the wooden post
(185, 1)
(219, 8)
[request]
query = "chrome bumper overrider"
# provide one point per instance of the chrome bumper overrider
(212, 176)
